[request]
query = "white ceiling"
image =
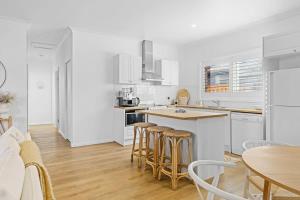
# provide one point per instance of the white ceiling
(160, 20)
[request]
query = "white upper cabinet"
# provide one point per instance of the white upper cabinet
(136, 69)
(169, 72)
(284, 44)
(123, 65)
(127, 69)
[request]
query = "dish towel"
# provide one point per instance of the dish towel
(31, 155)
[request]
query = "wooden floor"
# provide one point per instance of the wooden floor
(105, 172)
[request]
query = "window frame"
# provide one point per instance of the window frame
(204, 76)
(236, 80)
(230, 95)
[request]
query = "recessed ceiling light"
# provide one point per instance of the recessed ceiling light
(194, 25)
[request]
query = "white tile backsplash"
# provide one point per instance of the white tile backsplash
(157, 94)
(194, 93)
(146, 93)
(163, 92)
(151, 94)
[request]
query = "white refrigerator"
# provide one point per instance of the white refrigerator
(283, 107)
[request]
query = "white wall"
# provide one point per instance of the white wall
(62, 56)
(13, 51)
(247, 40)
(40, 91)
(93, 89)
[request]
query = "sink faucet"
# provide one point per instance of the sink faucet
(217, 102)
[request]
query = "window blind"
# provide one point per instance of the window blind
(247, 75)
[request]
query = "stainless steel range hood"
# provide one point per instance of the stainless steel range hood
(150, 73)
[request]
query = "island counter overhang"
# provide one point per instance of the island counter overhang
(208, 133)
(187, 115)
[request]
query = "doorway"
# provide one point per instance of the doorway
(40, 79)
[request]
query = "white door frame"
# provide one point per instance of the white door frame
(56, 87)
(69, 100)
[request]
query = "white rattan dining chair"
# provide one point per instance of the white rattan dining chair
(248, 144)
(257, 181)
(212, 189)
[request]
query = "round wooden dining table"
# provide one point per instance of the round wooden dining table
(279, 165)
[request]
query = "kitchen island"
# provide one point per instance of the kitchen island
(208, 132)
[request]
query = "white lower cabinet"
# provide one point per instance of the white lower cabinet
(123, 135)
(239, 127)
(245, 127)
(128, 136)
(128, 132)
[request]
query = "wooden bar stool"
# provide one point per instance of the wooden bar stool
(140, 128)
(173, 169)
(156, 133)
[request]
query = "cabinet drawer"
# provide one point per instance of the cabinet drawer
(128, 132)
(247, 117)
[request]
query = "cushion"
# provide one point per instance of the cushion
(15, 133)
(32, 188)
(12, 173)
(7, 142)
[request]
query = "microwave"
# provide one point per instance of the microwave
(132, 117)
(128, 102)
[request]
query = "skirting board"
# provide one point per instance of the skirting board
(227, 148)
(62, 134)
(86, 143)
(43, 123)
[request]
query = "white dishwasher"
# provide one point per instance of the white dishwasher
(245, 126)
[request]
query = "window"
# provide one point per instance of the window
(247, 76)
(238, 76)
(217, 78)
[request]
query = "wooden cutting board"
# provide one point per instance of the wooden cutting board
(183, 93)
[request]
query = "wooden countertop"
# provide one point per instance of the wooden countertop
(241, 110)
(188, 115)
(132, 108)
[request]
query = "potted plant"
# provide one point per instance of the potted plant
(5, 101)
